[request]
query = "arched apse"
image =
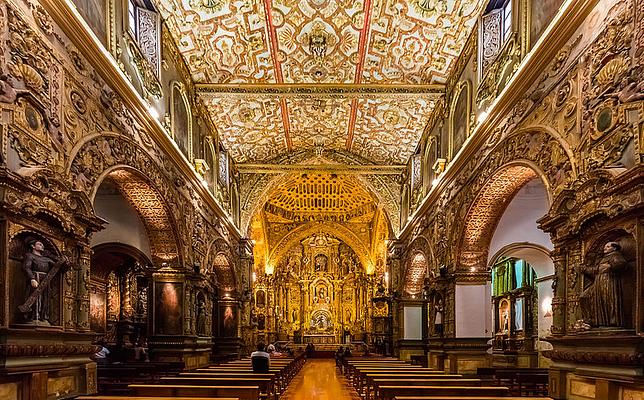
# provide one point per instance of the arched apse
(341, 232)
(256, 190)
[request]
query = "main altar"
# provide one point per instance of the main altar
(319, 293)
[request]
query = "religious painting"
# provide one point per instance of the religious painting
(229, 321)
(181, 119)
(321, 263)
(518, 314)
(168, 308)
(97, 312)
(94, 13)
(261, 322)
(261, 298)
(504, 316)
(460, 124)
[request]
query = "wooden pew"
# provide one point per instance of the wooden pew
(92, 397)
(378, 383)
(278, 383)
(241, 392)
(466, 398)
(265, 384)
(367, 387)
(390, 392)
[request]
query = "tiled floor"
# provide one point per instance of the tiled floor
(319, 380)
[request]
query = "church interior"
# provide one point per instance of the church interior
(398, 199)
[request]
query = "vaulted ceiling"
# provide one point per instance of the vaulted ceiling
(285, 75)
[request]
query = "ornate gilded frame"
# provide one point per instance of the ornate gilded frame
(467, 84)
(180, 87)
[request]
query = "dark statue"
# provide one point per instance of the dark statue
(37, 265)
(602, 302)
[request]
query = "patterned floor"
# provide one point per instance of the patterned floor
(319, 380)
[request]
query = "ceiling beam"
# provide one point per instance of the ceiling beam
(362, 52)
(348, 90)
(326, 168)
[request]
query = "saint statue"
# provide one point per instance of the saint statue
(602, 302)
(438, 318)
(37, 265)
(201, 318)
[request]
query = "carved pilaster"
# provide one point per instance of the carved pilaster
(82, 323)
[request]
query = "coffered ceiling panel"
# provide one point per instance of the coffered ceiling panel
(319, 122)
(417, 41)
(318, 40)
(221, 41)
(388, 130)
(371, 45)
(251, 128)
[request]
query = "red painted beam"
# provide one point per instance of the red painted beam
(362, 54)
(272, 36)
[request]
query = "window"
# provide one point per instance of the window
(507, 20)
(495, 31)
(131, 17)
(145, 27)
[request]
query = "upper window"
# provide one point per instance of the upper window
(507, 20)
(495, 31)
(145, 27)
(131, 17)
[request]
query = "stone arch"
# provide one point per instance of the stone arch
(256, 190)
(519, 158)
(486, 211)
(220, 263)
(536, 255)
(343, 233)
(120, 158)
(415, 272)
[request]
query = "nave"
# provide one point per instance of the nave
(345, 378)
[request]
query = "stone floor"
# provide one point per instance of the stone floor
(319, 379)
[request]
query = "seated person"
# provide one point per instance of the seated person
(140, 351)
(101, 355)
(271, 348)
(260, 360)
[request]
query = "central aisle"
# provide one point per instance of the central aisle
(319, 379)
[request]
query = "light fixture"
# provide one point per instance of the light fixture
(153, 112)
(435, 181)
(254, 276)
(472, 269)
(546, 306)
(482, 116)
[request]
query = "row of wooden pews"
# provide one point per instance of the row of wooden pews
(115, 378)
(230, 380)
(393, 379)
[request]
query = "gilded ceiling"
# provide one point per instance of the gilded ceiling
(321, 196)
(339, 43)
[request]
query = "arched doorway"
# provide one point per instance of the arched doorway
(502, 237)
(138, 238)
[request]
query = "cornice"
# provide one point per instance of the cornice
(338, 90)
(67, 18)
(566, 23)
(327, 168)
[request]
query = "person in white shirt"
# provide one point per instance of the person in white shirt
(260, 359)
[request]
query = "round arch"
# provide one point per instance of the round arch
(220, 262)
(488, 207)
(534, 254)
(343, 233)
(415, 272)
(111, 154)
